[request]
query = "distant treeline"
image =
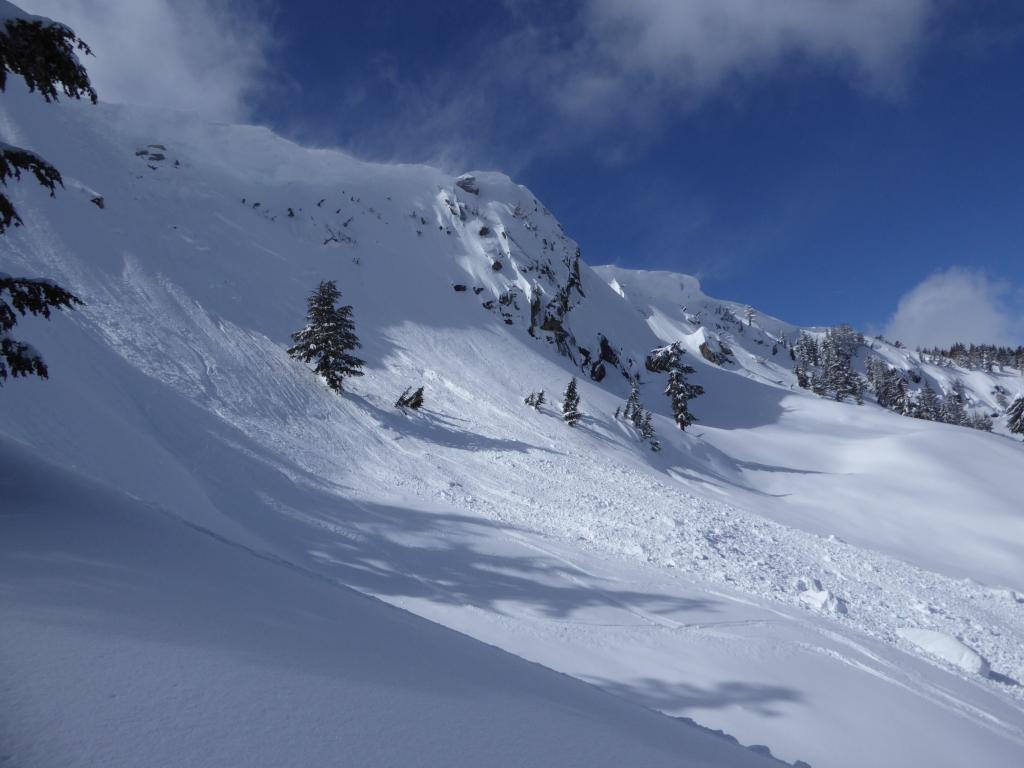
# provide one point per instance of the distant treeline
(977, 356)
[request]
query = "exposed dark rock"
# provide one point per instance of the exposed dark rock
(662, 359)
(459, 287)
(597, 371)
(98, 201)
(468, 183)
(711, 356)
(496, 266)
(607, 353)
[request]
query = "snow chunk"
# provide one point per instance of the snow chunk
(947, 648)
(813, 595)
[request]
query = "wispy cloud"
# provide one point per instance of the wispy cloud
(200, 55)
(959, 305)
(612, 74)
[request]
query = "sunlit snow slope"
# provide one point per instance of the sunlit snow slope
(190, 506)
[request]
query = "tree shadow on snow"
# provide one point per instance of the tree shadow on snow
(681, 697)
(441, 429)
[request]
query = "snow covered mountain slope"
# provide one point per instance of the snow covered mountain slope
(131, 639)
(703, 581)
(936, 495)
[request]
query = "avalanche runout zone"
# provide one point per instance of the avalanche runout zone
(719, 543)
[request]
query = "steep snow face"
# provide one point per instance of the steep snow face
(758, 574)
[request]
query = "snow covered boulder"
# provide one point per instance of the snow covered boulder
(814, 596)
(947, 648)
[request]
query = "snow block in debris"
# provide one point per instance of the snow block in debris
(947, 648)
(816, 597)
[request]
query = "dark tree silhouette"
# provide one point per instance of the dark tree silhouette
(328, 338)
(571, 404)
(42, 52)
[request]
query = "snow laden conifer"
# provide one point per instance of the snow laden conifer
(953, 407)
(680, 391)
(42, 52)
(328, 338)
(535, 400)
(571, 404)
(633, 410)
(1015, 416)
(927, 405)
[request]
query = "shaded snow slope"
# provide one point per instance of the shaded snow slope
(702, 581)
(130, 638)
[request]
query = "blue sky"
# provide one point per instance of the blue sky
(819, 159)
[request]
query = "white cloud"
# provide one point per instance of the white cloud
(958, 305)
(649, 54)
(199, 55)
(613, 74)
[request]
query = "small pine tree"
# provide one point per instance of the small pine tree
(903, 403)
(571, 404)
(646, 426)
(535, 400)
(633, 406)
(328, 338)
(952, 410)
(927, 405)
(802, 380)
(403, 399)
(416, 400)
(680, 392)
(1015, 416)
(413, 401)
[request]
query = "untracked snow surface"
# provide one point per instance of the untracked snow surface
(188, 515)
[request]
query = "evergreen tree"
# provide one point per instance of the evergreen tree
(981, 421)
(535, 400)
(680, 392)
(836, 360)
(42, 52)
(818, 384)
(646, 426)
(1015, 416)
(403, 399)
(571, 404)
(806, 350)
(633, 407)
(33, 297)
(416, 401)
(410, 399)
(802, 380)
(927, 405)
(329, 337)
(904, 403)
(952, 410)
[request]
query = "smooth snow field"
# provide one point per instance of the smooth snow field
(209, 558)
